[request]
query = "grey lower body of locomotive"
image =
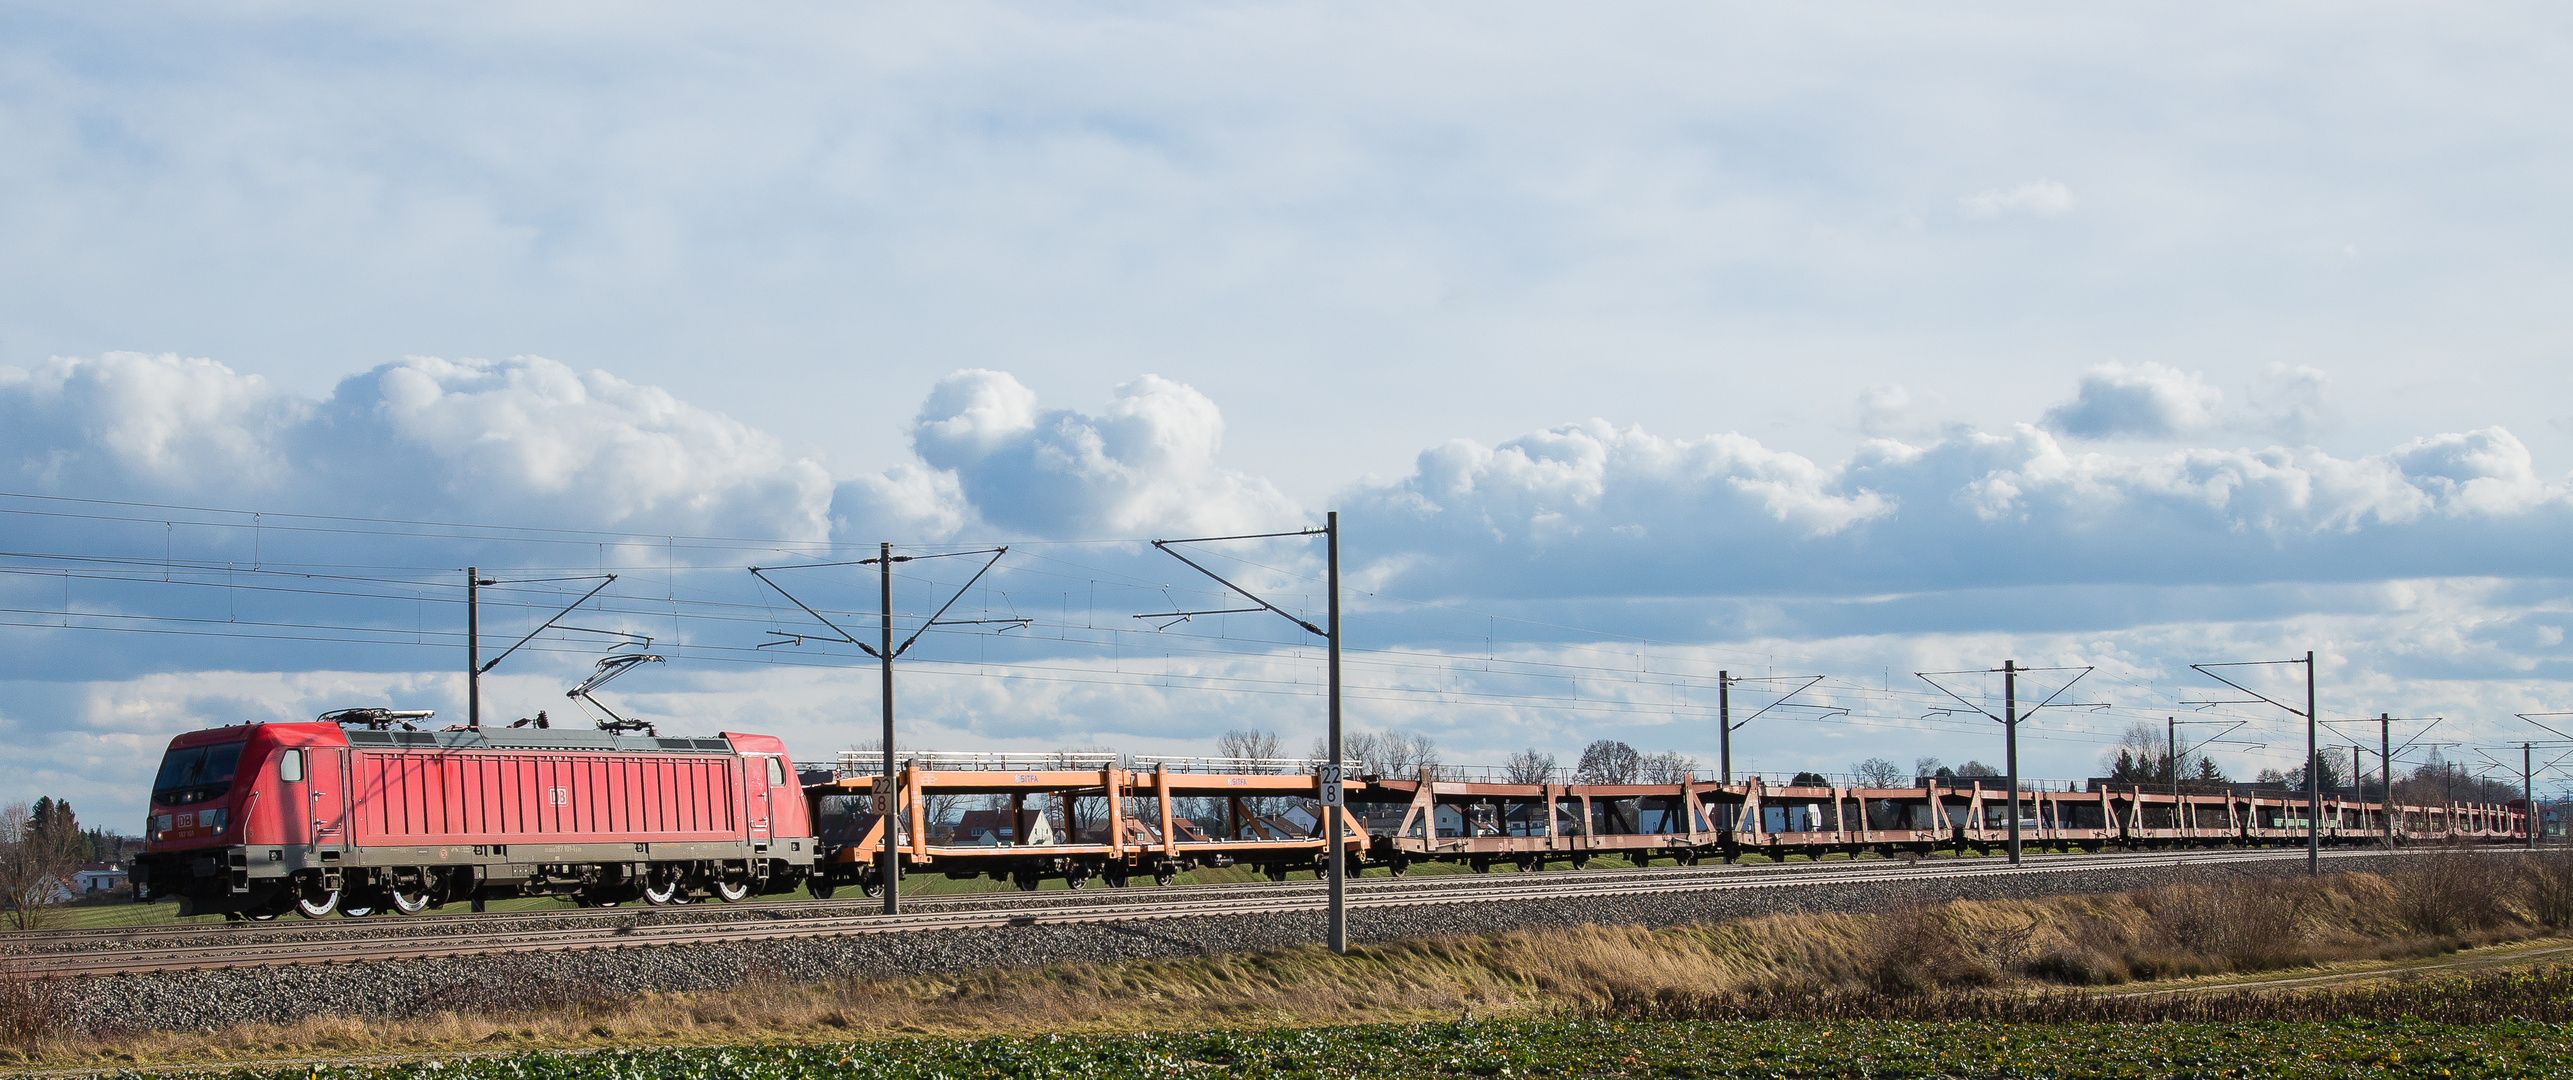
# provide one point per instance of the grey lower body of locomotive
(265, 881)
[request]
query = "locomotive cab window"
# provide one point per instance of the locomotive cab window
(196, 774)
(290, 766)
(776, 773)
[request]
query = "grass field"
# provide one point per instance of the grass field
(1937, 989)
(1591, 1048)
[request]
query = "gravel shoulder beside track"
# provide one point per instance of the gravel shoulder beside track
(208, 999)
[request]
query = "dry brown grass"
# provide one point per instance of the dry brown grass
(2225, 924)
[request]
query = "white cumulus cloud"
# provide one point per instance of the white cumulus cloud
(2145, 401)
(525, 441)
(1610, 511)
(1145, 463)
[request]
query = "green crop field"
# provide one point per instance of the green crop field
(1582, 1048)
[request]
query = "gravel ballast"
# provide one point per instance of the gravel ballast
(401, 988)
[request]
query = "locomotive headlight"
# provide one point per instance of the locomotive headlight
(211, 819)
(160, 825)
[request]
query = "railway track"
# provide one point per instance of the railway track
(122, 938)
(253, 945)
(702, 912)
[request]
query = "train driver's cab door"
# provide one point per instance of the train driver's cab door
(767, 774)
(294, 796)
(315, 811)
(326, 799)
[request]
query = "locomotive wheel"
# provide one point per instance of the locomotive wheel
(731, 890)
(410, 899)
(663, 891)
(315, 906)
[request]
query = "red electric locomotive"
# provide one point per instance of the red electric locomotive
(261, 819)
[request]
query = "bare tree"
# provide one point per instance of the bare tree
(1876, 772)
(938, 808)
(37, 854)
(1531, 766)
(1407, 755)
(1251, 743)
(1926, 766)
(1397, 754)
(2439, 780)
(2329, 774)
(1668, 767)
(1977, 768)
(1608, 761)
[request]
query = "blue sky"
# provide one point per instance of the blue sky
(1851, 339)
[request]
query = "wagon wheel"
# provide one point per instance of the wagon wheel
(820, 885)
(731, 890)
(410, 899)
(1163, 875)
(871, 886)
(1116, 875)
(1076, 878)
(1398, 866)
(1027, 880)
(1580, 860)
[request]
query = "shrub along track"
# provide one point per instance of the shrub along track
(257, 945)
